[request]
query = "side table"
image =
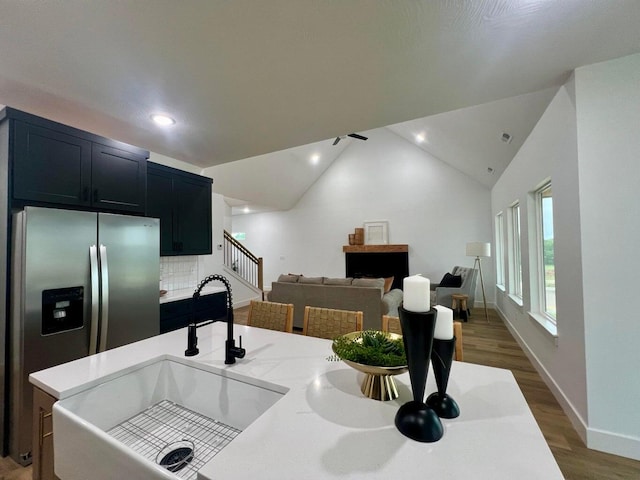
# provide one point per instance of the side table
(459, 305)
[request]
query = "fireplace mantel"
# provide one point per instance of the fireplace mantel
(399, 248)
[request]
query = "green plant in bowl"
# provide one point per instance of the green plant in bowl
(371, 347)
(379, 355)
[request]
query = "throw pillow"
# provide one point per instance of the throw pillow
(451, 281)
(388, 281)
(288, 278)
(338, 281)
(316, 280)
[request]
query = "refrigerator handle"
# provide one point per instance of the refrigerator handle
(95, 300)
(104, 279)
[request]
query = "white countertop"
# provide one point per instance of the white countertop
(173, 295)
(325, 428)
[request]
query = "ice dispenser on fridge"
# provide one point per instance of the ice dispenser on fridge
(62, 309)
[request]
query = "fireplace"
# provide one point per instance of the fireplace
(377, 261)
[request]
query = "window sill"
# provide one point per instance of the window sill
(517, 300)
(501, 288)
(545, 325)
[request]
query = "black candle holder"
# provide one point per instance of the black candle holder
(415, 419)
(441, 359)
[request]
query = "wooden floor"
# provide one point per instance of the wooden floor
(492, 344)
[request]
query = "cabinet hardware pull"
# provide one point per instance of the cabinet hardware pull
(41, 434)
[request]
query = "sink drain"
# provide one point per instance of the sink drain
(176, 456)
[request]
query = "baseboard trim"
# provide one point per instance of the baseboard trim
(574, 416)
(479, 304)
(593, 438)
(614, 443)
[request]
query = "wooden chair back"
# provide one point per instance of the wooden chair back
(330, 323)
(392, 324)
(457, 332)
(271, 315)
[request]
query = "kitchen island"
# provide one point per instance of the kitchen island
(323, 426)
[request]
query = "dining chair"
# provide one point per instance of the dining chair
(271, 315)
(392, 324)
(330, 323)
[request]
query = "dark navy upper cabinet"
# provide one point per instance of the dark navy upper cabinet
(58, 165)
(118, 179)
(50, 166)
(182, 202)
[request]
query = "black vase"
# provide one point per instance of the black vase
(441, 359)
(415, 419)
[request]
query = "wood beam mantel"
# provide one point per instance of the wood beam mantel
(399, 248)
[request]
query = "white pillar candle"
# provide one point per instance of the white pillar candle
(416, 295)
(444, 323)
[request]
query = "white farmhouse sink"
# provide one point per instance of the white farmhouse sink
(143, 407)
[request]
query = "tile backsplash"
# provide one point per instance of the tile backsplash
(178, 272)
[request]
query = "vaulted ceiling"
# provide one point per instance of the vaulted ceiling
(468, 139)
(248, 78)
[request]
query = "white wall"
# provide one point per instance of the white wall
(430, 206)
(550, 152)
(241, 293)
(588, 142)
(608, 119)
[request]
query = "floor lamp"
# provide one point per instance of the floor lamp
(480, 249)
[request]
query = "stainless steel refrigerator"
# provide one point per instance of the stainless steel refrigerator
(82, 283)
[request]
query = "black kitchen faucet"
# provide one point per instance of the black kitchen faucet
(231, 351)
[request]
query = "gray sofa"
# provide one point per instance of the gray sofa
(360, 294)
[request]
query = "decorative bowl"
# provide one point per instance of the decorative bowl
(378, 382)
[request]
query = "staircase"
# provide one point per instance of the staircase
(244, 263)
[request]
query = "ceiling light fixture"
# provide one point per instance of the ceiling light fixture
(246, 209)
(420, 138)
(162, 119)
(315, 158)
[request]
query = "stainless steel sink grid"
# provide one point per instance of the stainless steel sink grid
(148, 432)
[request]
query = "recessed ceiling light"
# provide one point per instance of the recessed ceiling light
(162, 119)
(315, 158)
(246, 209)
(420, 137)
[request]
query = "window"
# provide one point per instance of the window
(546, 265)
(499, 249)
(515, 284)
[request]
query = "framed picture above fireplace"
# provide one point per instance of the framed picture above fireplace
(376, 233)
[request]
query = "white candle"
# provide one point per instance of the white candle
(444, 323)
(416, 295)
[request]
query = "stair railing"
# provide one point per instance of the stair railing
(239, 259)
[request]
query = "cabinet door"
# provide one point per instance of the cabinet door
(118, 179)
(160, 205)
(193, 214)
(42, 436)
(49, 166)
